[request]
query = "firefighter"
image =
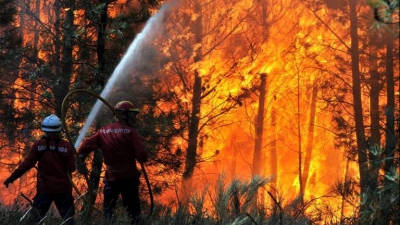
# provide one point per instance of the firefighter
(121, 145)
(56, 162)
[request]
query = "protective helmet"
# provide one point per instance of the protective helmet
(51, 124)
(126, 106)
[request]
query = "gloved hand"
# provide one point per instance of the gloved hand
(81, 167)
(8, 181)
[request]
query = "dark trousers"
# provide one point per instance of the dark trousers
(129, 190)
(64, 203)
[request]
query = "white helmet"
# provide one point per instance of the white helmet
(51, 124)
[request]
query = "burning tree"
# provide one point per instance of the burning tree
(361, 132)
(196, 75)
(302, 91)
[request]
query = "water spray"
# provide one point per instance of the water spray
(126, 66)
(133, 57)
(63, 111)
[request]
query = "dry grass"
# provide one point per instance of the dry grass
(232, 203)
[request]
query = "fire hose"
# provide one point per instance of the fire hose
(63, 110)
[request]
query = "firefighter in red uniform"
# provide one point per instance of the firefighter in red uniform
(121, 145)
(56, 162)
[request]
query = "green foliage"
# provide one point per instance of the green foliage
(378, 205)
(385, 11)
(237, 198)
(382, 204)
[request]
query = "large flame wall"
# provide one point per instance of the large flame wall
(235, 44)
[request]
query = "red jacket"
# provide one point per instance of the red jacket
(120, 145)
(53, 166)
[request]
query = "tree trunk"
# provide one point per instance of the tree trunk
(357, 101)
(389, 151)
(374, 110)
(191, 156)
(390, 135)
(36, 33)
(196, 100)
(259, 129)
(63, 80)
(94, 177)
(273, 159)
(258, 156)
(346, 178)
(56, 61)
(94, 180)
(300, 155)
(101, 44)
(310, 135)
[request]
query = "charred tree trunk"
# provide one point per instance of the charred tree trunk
(273, 159)
(191, 156)
(310, 135)
(94, 180)
(34, 58)
(101, 43)
(56, 61)
(390, 146)
(374, 111)
(259, 129)
(300, 155)
(63, 80)
(357, 101)
(346, 180)
(390, 135)
(258, 156)
(94, 176)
